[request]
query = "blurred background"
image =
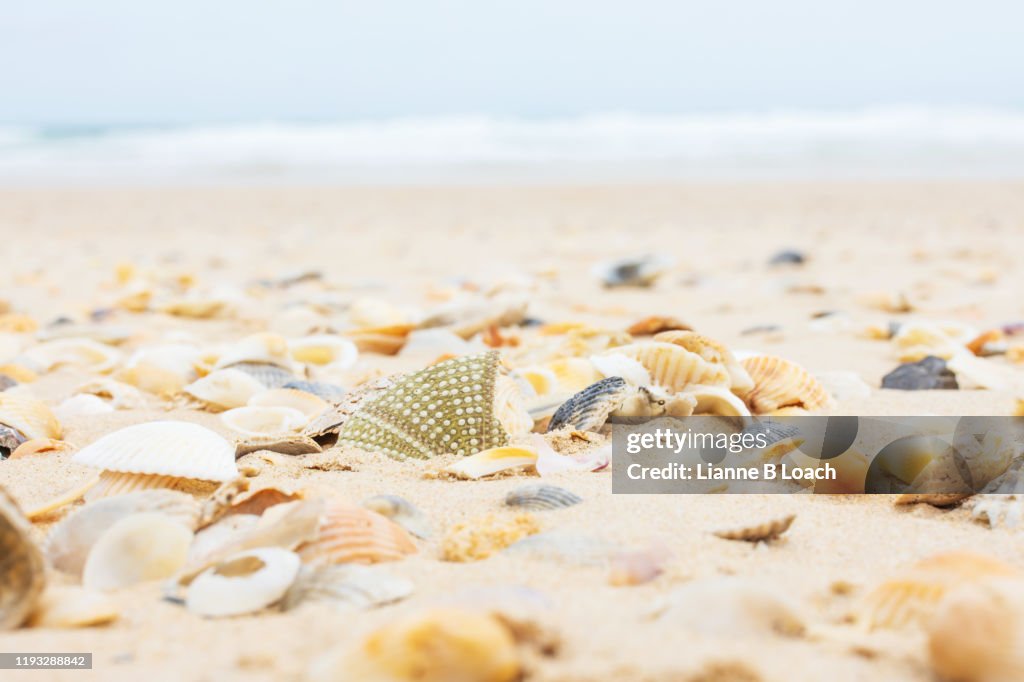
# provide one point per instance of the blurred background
(399, 91)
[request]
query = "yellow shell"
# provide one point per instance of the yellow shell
(712, 351)
(481, 537)
(916, 340)
(31, 417)
(351, 534)
(573, 374)
(674, 368)
(440, 645)
(324, 349)
(493, 461)
(912, 596)
(782, 384)
(152, 379)
(20, 373)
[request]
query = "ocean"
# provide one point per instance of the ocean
(890, 143)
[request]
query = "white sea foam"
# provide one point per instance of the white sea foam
(912, 142)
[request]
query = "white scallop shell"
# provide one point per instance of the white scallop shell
(179, 359)
(324, 349)
(76, 352)
(264, 421)
(264, 348)
(120, 395)
(82, 405)
(138, 548)
(306, 403)
(224, 388)
(243, 583)
(31, 417)
(166, 448)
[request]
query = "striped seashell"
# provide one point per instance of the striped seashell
(912, 596)
(324, 349)
(780, 384)
(510, 408)
(77, 352)
(351, 534)
(712, 351)
(264, 421)
(760, 532)
(271, 376)
(348, 584)
(246, 582)
(673, 367)
(138, 548)
(541, 497)
(114, 483)
(69, 542)
(323, 390)
(717, 401)
(306, 403)
(263, 348)
(224, 389)
(401, 511)
(165, 448)
(447, 408)
(589, 409)
(493, 461)
(22, 569)
(29, 417)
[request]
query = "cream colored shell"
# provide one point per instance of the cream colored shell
(673, 367)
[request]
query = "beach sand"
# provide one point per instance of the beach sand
(951, 249)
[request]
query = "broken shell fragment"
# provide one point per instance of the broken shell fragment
(22, 567)
(67, 606)
(264, 421)
(352, 585)
(541, 496)
(306, 403)
(39, 446)
(632, 272)
(262, 348)
(401, 511)
(712, 351)
(493, 461)
(76, 352)
(760, 532)
(244, 583)
(285, 444)
(779, 384)
(715, 401)
(324, 349)
(138, 548)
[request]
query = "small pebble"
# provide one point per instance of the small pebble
(926, 374)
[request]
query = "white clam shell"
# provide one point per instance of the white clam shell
(225, 388)
(306, 403)
(261, 348)
(243, 583)
(81, 405)
(180, 359)
(264, 421)
(76, 352)
(619, 365)
(324, 349)
(166, 448)
(138, 548)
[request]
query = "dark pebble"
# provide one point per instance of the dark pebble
(6, 382)
(924, 375)
(788, 257)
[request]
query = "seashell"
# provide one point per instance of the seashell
(730, 607)
(262, 348)
(989, 342)
(289, 444)
(717, 401)
(760, 532)
(82, 405)
(780, 384)
(912, 595)
(565, 547)
(113, 483)
(324, 349)
(78, 352)
(351, 534)
(255, 501)
(39, 446)
(401, 511)
(353, 585)
(589, 409)
(69, 542)
(120, 395)
(574, 374)
(334, 417)
(976, 634)
(19, 373)
(656, 323)
(165, 448)
(493, 461)
(974, 372)
(447, 408)
(329, 392)
(243, 583)
(67, 606)
(440, 645)
(178, 359)
(22, 569)
(482, 537)
(137, 548)
(271, 376)
(926, 374)
(16, 323)
(424, 343)
(306, 403)
(264, 421)
(375, 312)
(843, 386)
(510, 408)
(637, 567)
(541, 496)
(712, 351)
(541, 379)
(387, 340)
(467, 318)
(632, 272)
(673, 367)
(152, 379)
(10, 440)
(619, 365)
(888, 301)
(224, 389)
(917, 340)
(31, 418)
(196, 307)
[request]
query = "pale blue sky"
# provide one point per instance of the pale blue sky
(103, 61)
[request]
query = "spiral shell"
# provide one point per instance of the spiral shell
(673, 367)
(351, 534)
(22, 566)
(540, 497)
(780, 384)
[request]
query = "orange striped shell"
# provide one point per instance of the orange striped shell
(351, 534)
(780, 384)
(673, 367)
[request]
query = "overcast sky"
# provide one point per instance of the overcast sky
(109, 61)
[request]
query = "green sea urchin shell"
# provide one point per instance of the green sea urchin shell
(446, 408)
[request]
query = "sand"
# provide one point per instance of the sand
(952, 249)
